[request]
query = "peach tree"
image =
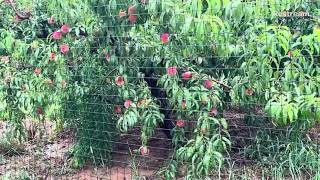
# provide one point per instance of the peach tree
(190, 52)
(280, 70)
(168, 59)
(50, 70)
(104, 67)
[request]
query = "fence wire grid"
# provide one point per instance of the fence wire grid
(159, 89)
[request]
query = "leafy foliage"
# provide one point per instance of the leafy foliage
(119, 59)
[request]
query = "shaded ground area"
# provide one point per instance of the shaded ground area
(38, 158)
(49, 159)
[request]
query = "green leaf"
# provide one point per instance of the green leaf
(224, 123)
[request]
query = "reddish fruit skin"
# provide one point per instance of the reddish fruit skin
(213, 112)
(40, 111)
(290, 54)
(184, 104)
(249, 92)
(119, 80)
(131, 10)
(65, 29)
(117, 109)
(180, 123)
(17, 19)
(57, 35)
(52, 56)
(143, 1)
(8, 1)
(108, 57)
(187, 75)
(37, 71)
(5, 59)
(132, 19)
(122, 14)
(64, 48)
(172, 71)
(165, 38)
(208, 84)
(127, 104)
(51, 20)
(144, 151)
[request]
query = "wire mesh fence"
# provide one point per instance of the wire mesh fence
(159, 89)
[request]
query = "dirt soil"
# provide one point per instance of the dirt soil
(48, 159)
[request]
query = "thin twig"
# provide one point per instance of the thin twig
(222, 84)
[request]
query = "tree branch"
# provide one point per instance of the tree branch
(222, 84)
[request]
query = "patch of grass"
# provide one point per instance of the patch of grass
(20, 175)
(285, 152)
(10, 148)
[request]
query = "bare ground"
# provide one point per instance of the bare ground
(49, 159)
